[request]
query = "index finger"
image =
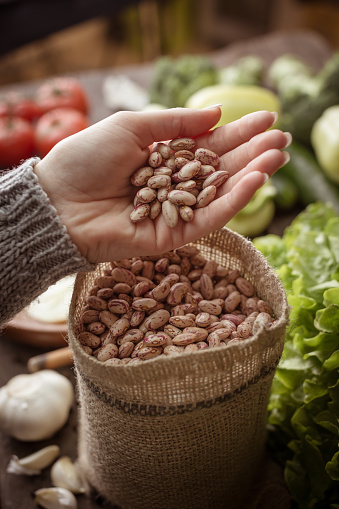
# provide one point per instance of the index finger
(229, 136)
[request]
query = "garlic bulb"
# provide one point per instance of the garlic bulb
(33, 463)
(66, 474)
(55, 498)
(35, 406)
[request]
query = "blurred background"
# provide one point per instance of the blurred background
(247, 55)
(39, 38)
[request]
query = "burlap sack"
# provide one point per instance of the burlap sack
(188, 431)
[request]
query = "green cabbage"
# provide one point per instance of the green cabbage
(174, 80)
(303, 418)
(247, 70)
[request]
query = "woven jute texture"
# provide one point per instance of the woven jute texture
(187, 431)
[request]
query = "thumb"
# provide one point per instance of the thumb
(150, 126)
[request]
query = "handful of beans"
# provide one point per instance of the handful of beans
(177, 180)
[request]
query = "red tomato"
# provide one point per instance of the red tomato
(19, 105)
(16, 141)
(55, 125)
(62, 92)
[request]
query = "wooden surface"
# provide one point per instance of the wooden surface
(16, 491)
(28, 331)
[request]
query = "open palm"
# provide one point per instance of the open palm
(87, 177)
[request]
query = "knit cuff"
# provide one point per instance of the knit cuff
(35, 248)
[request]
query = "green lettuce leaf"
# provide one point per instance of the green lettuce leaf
(303, 411)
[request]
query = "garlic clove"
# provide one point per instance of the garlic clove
(33, 463)
(15, 468)
(55, 498)
(66, 474)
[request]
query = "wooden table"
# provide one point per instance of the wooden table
(16, 491)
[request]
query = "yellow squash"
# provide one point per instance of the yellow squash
(236, 101)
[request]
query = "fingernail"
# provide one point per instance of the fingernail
(289, 139)
(287, 157)
(266, 177)
(276, 116)
(212, 106)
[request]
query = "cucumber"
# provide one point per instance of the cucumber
(287, 192)
(304, 170)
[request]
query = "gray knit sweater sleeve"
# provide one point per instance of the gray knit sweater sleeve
(35, 248)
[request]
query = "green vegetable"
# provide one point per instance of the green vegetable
(325, 142)
(286, 66)
(236, 101)
(305, 172)
(329, 74)
(303, 417)
(248, 70)
(174, 80)
(257, 215)
(304, 94)
(293, 79)
(286, 191)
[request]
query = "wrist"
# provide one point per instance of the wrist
(39, 171)
(38, 248)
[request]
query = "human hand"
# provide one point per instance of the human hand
(87, 177)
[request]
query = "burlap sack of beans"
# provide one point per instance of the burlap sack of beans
(185, 431)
